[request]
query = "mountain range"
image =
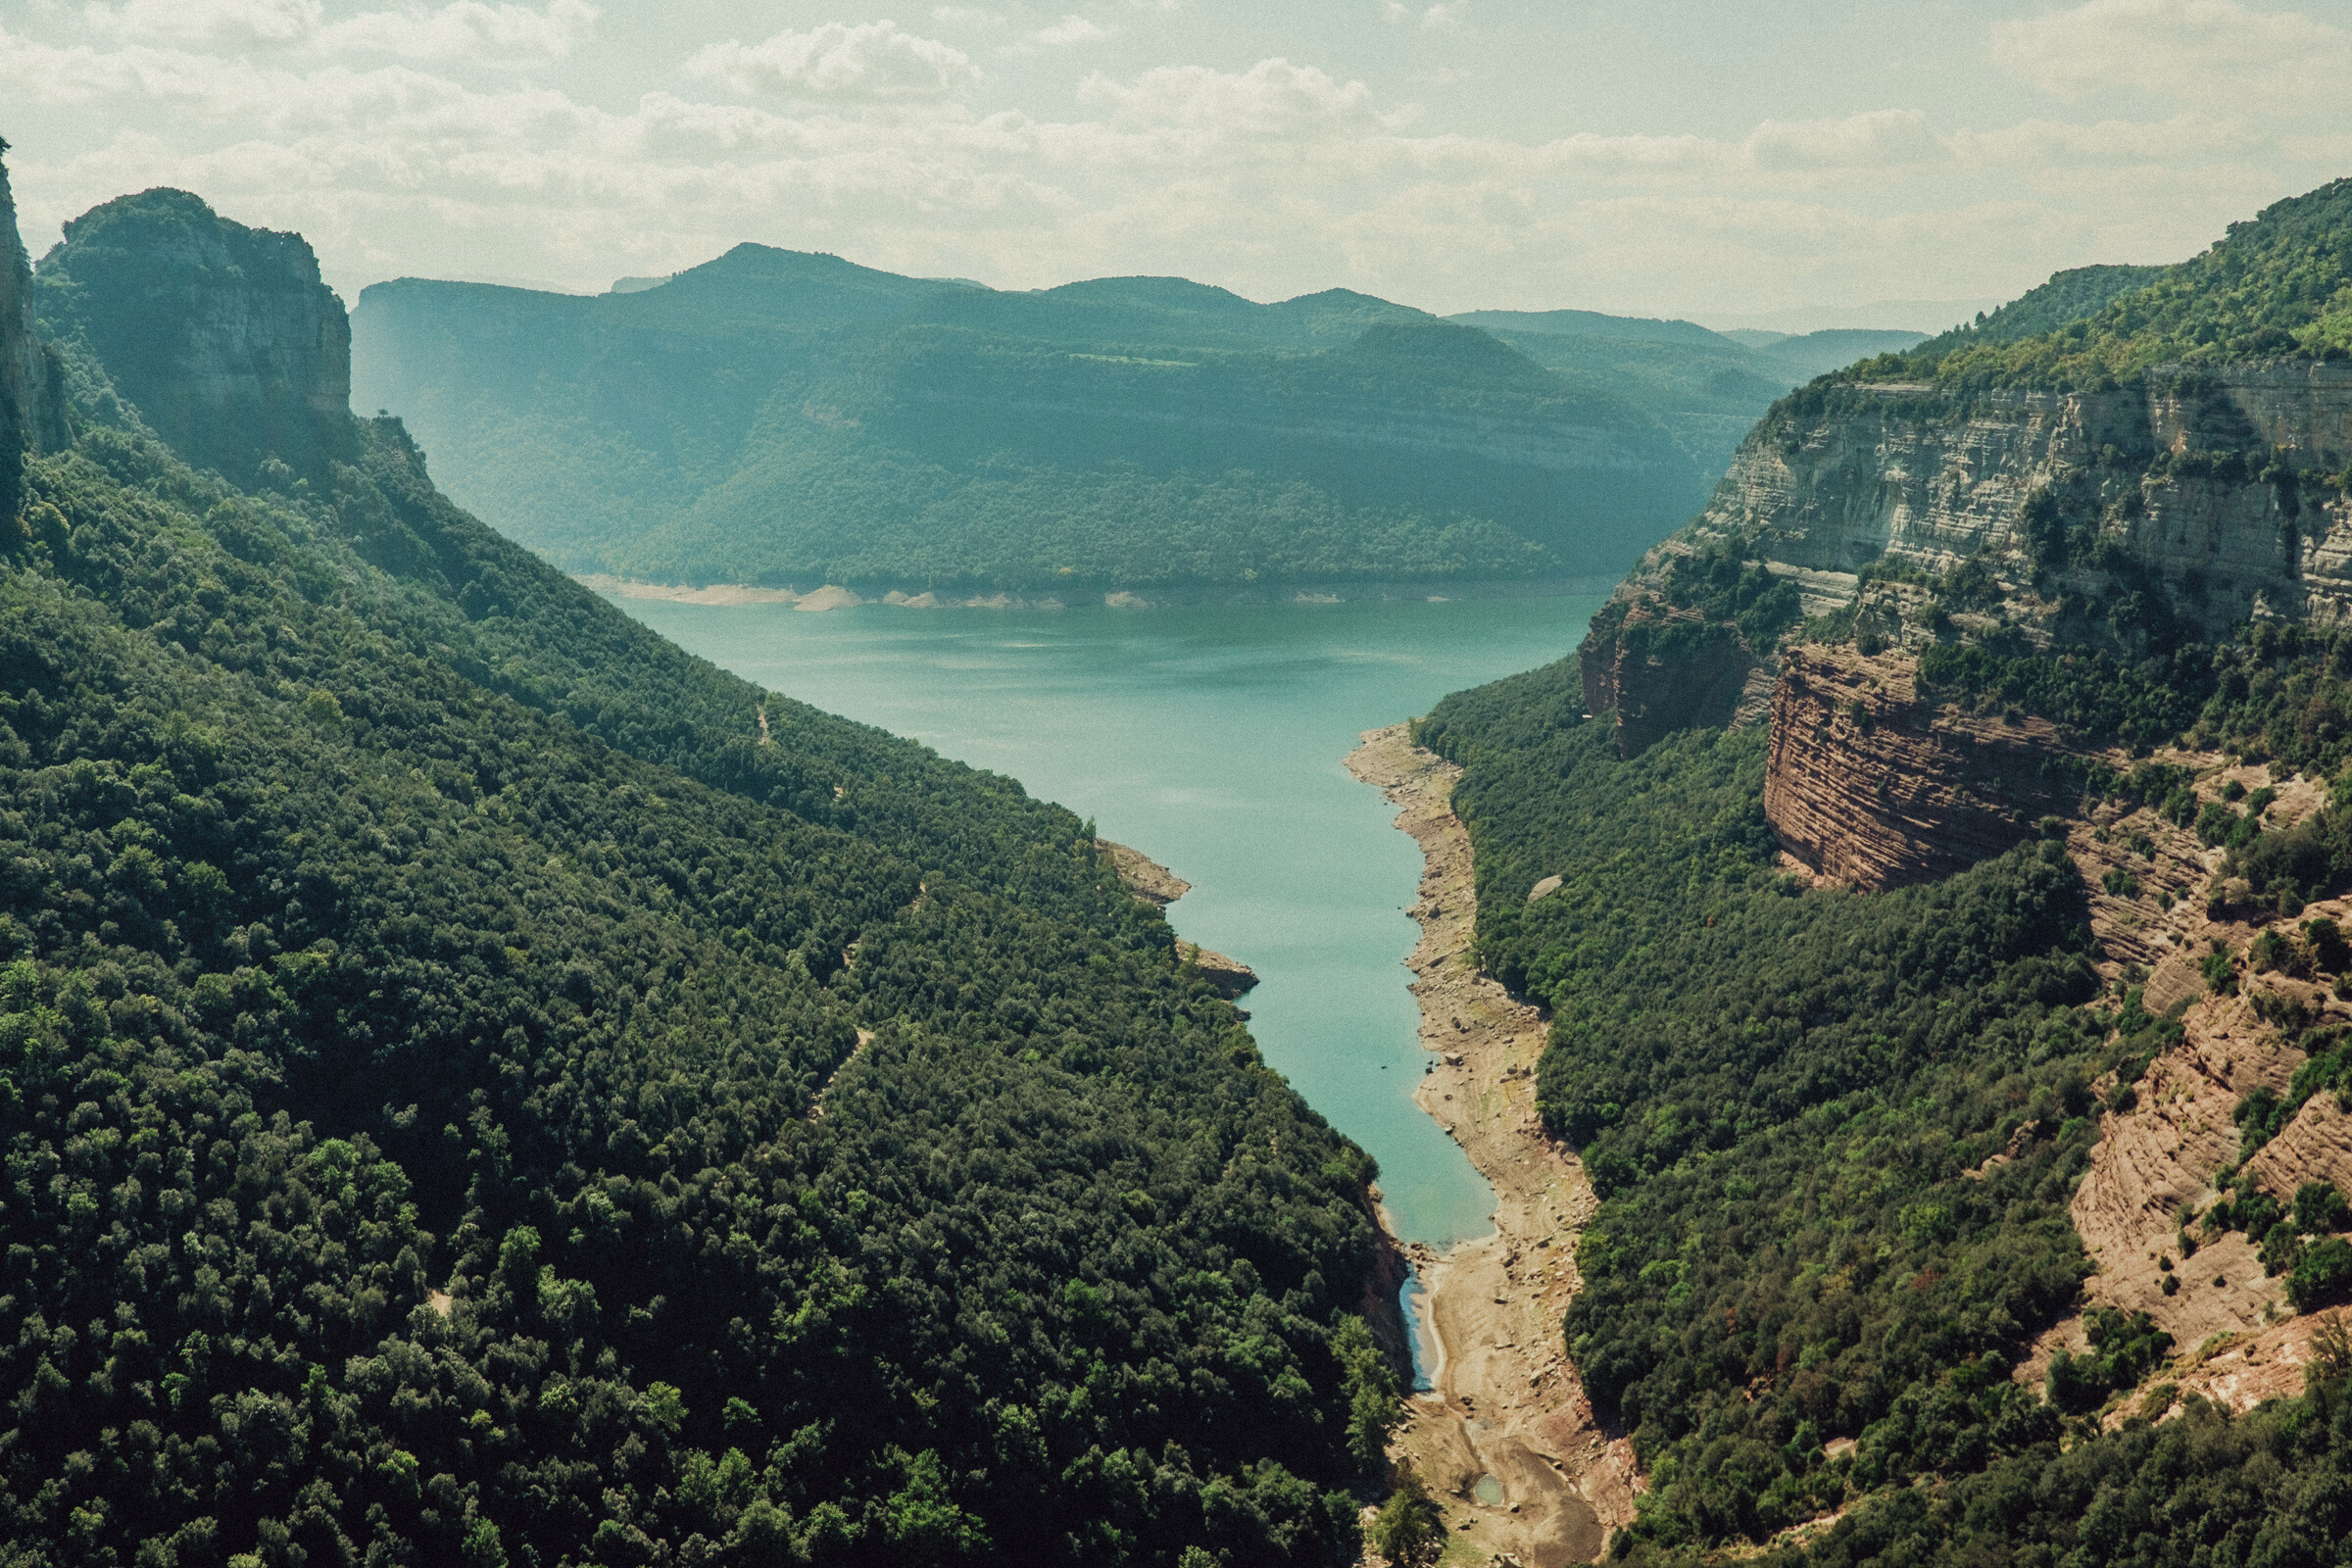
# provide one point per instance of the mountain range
(790, 420)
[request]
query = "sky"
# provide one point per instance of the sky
(1786, 165)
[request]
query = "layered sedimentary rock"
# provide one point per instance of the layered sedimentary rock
(1663, 670)
(2191, 475)
(1870, 786)
(224, 337)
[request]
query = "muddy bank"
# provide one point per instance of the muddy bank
(1506, 1406)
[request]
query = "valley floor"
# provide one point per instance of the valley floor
(1506, 1403)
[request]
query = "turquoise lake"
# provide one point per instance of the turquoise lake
(1210, 737)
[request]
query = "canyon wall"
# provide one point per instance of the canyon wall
(224, 337)
(31, 401)
(2190, 475)
(1869, 785)
(1664, 669)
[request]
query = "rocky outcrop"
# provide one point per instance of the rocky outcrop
(224, 337)
(1231, 976)
(1868, 785)
(1150, 882)
(32, 400)
(2191, 475)
(1661, 669)
(1146, 878)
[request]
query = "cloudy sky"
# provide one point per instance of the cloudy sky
(1716, 159)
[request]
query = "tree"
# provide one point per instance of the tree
(2323, 1273)
(1410, 1530)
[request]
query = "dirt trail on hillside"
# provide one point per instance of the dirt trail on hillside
(1506, 1403)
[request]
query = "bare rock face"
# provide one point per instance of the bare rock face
(31, 401)
(1231, 976)
(2189, 473)
(1868, 785)
(1144, 877)
(1662, 669)
(224, 337)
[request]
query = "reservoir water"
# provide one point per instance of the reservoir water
(1210, 737)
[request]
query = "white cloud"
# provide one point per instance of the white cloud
(1881, 138)
(233, 23)
(432, 140)
(1443, 17)
(1271, 98)
(871, 60)
(467, 29)
(2203, 51)
(464, 29)
(2060, 144)
(1070, 30)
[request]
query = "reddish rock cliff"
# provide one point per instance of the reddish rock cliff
(1661, 669)
(1870, 786)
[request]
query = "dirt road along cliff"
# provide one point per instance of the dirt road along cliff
(1506, 1439)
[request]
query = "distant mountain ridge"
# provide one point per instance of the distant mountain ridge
(789, 418)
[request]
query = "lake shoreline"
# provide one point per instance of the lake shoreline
(1505, 1403)
(834, 596)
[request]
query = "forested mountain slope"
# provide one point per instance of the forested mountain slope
(1706, 388)
(787, 419)
(1957, 808)
(469, 1098)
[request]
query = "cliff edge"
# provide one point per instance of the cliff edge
(33, 402)
(224, 337)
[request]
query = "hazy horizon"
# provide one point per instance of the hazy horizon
(1699, 159)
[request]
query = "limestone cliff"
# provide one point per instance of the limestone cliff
(2116, 520)
(2191, 489)
(224, 337)
(31, 402)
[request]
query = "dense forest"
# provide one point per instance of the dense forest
(1835, 1135)
(1778, 1096)
(786, 418)
(467, 1098)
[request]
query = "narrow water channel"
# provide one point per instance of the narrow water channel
(1210, 739)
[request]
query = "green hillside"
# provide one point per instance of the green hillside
(1705, 387)
(1772, 1090)
(468, 1097)
(791, 420)
(2280, 283)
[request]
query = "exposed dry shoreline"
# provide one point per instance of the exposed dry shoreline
(1506, 1403)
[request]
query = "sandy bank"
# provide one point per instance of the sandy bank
(1506, 1403)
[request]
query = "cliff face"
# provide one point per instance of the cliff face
(2188, 504)
(1664, 669)
(1868, 785)
(2191, 476)
(31, 402)
(224, 337)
